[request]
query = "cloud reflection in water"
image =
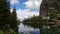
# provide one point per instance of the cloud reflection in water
(24, 28)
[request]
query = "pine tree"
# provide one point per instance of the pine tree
(14, 22)
(4, 16)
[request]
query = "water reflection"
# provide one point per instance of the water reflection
(28, 29)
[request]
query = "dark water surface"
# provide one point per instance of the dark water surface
(24, 29)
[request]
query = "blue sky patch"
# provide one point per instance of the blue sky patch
(25, 8)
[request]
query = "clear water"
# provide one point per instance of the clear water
(24, 29)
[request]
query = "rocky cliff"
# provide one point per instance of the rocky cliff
(49, 6)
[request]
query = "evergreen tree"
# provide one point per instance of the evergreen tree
(4, 15)
(14, 22)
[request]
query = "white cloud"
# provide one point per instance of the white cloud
(33, 4)
(25, 13)
(24, 28)
(14, 1)
(11, 9)
(30, 4)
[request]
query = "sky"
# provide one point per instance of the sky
(25, 8)
(24, 28)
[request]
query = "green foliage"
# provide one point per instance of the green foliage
(7, 19)
(12, 31)
(34, 19)
(52, 15)
(1, 32)
(4, 14)
(14, 21)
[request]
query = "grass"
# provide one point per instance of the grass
(1, 32)
(12, 31)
